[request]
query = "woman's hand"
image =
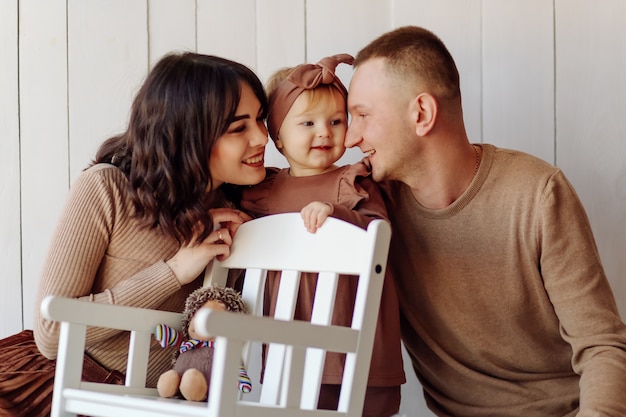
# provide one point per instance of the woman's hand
(229, 220)
(190, 260)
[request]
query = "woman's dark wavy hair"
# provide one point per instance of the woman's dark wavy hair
(186, 103)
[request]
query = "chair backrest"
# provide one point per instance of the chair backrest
(296, 350)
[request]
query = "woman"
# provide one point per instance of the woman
(152, 210)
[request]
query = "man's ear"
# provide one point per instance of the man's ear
(424, 113)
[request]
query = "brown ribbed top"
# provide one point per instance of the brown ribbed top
(356, 198)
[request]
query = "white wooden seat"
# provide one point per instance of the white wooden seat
(296, 348)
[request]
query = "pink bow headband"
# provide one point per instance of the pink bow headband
(303, 77)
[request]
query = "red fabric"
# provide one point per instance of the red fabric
(27, 377)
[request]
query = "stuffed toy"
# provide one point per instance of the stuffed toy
(192, 363)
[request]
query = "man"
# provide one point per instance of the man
(506, 310)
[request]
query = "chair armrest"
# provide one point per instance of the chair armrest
(244, 327)
(76, 315)
(71, 310)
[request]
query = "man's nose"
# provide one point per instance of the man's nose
(353, 137)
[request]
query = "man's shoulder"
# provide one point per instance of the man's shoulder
(514, 158)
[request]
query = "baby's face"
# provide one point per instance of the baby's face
(312, 135)
(212, 304)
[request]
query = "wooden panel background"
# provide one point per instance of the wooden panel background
(545, 77)
(10, 233)
(590, 124)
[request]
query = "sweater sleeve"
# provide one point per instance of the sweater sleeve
(582, 299)
(359, 199)
(76, 253)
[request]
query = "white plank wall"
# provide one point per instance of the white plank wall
(10, 238)
(545, 77)
(518, 76)
(43, 114)
(590, 121)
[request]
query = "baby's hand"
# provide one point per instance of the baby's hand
(314, 214)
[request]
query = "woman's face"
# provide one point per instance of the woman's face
(238, 155)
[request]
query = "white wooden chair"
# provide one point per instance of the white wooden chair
(296, 348)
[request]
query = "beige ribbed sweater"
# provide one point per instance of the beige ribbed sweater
(99, 253)
(506, 310)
